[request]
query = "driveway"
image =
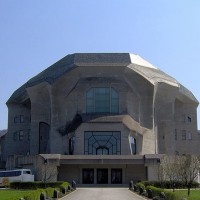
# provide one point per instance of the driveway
(102, 193)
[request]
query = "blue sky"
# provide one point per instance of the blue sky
(35, 34)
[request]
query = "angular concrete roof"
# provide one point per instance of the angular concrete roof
(69, 62)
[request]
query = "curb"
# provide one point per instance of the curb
(67, 194)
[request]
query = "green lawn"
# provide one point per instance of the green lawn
(194, 194)
(10, 194)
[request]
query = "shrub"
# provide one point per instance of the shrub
(169, 185)
(34, 185)
(171, 195)
(140, 185)
(35, 195)
(5, 182)
(65, 184)
(155, 191)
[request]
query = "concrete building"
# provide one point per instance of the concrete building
(100, 119)
(2, 143)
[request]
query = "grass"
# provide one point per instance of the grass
(194, 194)
(11, 194)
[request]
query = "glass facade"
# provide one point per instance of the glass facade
(102, 143)
(102, 100)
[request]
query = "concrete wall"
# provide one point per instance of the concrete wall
(13, 144)
(129, 172)
(157, 109)
(172, 110)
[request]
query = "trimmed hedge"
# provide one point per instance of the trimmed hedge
(35, 194)
(155, 191)
(168, 184)
(169, 194)
(140, 185)
(35, 185)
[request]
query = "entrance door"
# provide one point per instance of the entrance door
(102, 176)
(116, 176)
(88, 176)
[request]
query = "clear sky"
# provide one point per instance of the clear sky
(35, 34)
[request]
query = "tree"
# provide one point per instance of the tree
(188, 170)
(180, 168)
(169, 169)
(46, 171)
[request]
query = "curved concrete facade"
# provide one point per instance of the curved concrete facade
(50, 110)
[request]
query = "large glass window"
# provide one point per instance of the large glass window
(102, 100)
(102, 143)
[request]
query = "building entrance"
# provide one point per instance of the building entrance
(88, 176)
(102, 176)
(116, 176)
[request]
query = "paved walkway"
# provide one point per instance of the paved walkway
(102, 194)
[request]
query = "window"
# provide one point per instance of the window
(132, 142)
(29, 135)
(15, 136)
(19, 119)
(21, 135)
(102, 100)
(189, 119)
(106, 143)
(189, 136)
(175, 134)
(183, 134)
(71, 145)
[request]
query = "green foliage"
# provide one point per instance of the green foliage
(13, 194)
(171, 195)
(39, 188)
(35, 195)
(194, 195)
(140, 185)
(155, 191)
(64, 184)
(169, 185)
(34, 185)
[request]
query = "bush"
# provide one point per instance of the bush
(65, 184)
(169, 185)
(140, 185)
(5, 182)
(155, 191)
(171, 195)
(34, 185)
(35, 195)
